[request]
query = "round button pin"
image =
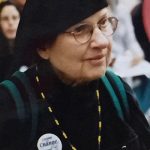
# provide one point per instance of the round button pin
(49, 142)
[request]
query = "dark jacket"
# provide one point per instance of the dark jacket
(76, 109)
(6, 57)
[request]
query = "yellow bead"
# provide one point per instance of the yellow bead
(99, 108)
(100, 124)
(37, 78)
(97, 93)
(42, 94)
(99, 139)
(73, 148)
(56, 121)
(65, 136)
(50, 110)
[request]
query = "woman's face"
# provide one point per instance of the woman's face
(78, 62)
(9, 19)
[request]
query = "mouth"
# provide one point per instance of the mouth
(96, 60)
(11, 31)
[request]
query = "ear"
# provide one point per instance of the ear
(43, 53)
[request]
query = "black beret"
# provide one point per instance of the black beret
(45, 19)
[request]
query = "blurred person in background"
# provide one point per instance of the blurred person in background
(140, 18)
(9, 19)
(126, 49)
(140, 14)
(130, 42)
(17, 63)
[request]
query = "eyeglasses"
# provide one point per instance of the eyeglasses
(83, 32)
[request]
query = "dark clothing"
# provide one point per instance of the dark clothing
(6, 57)
(76, 109)
(5, 63)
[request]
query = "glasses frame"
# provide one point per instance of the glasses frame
(98, 25)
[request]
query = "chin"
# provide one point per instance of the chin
(99, 73)
(95, 76)
(10, 37)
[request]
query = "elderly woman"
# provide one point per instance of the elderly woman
(61, 102)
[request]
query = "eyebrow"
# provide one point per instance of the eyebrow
(100, 17)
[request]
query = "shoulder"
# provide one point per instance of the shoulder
(14, 115)
(8, 104)
(8, 115)
(123, 91)
(13, 99)
(5, 97)
(11, 126)
(118, 82)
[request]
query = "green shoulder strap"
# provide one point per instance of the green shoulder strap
(119, 85)
(14, 91)
(33, 101)
(11, 87)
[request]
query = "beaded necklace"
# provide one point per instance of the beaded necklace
(57, 123)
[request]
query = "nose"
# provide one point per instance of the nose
(11, 21)
(99, 40)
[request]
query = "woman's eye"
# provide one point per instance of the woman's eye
(15, 17)
(80, 28)
(4, 18)
(103, 23)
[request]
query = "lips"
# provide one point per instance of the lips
(96, 60)
(10, 31)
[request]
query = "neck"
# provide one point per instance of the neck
(68, 80)
(11, 45)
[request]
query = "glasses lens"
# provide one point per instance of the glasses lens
(109, 26)
(83, 33)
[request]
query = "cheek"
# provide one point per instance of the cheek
(109, 52)
(16, 23)
(69, 63)
(4, 30)
(67, 53)
(66, 59)
(3, 27)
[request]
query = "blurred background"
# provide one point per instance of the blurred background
(130, 3)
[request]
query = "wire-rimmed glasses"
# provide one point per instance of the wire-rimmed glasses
(83, 32)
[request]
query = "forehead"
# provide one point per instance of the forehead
(8, 10)
(105, 12)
